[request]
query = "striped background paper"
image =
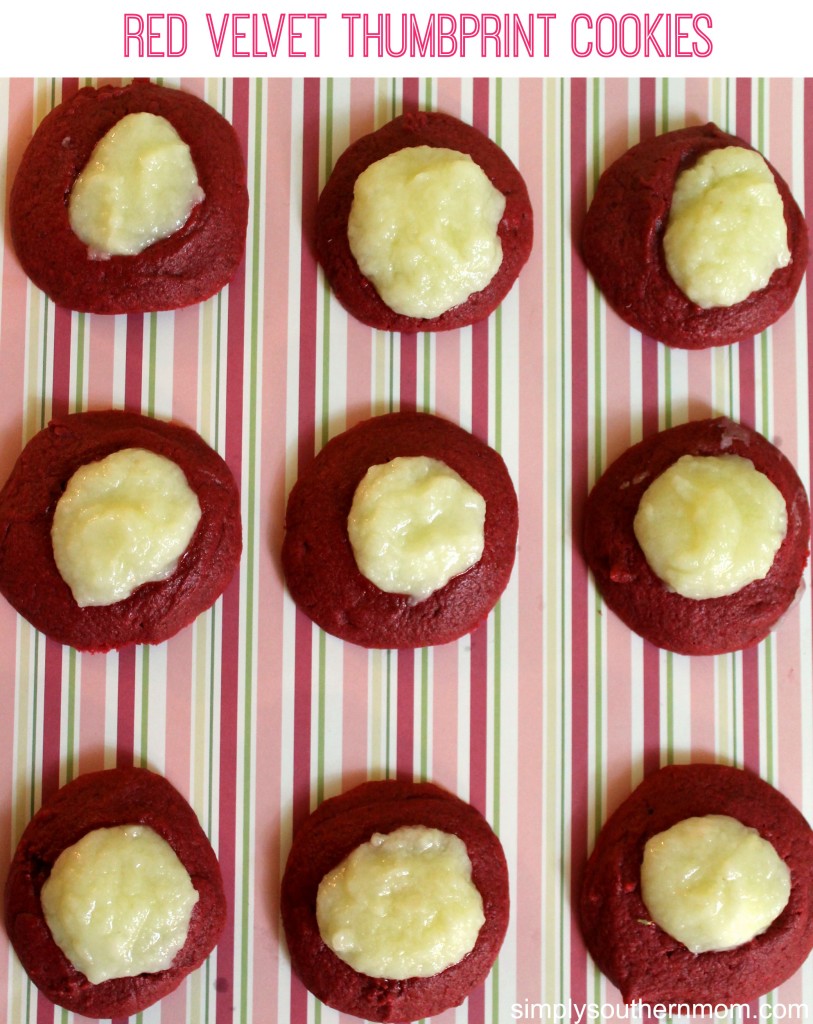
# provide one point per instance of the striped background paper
(551, 712)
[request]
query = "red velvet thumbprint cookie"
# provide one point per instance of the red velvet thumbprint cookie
(114, 894)
(423, 225)
(130, 199)
(695, 239)
(394, 901)
(697, 537)
(700, 889)
(117, 529)
(401, 533)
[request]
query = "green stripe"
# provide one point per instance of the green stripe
(79, 375)
(425, 704)
(71, 700)
(152, 363)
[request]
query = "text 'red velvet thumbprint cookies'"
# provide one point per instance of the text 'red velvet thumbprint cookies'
(117, 529)
(700, 889)
(423, 225)
(695, 239)
(130, 199)
(697, 537)
(114, 894)
(394, 901)
(401, 533)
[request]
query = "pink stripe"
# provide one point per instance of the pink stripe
(52, 718)
(807, 295)
(12, 359)
(60, 401)
(747, 414)
(306, 438)
(359, 383)
(787, 345)
(101, 362)
(185, 366)
(650, 418)
(530, 914)
(271, 596)
(125, 719)
(405, 711)
(62, 328)
(230, 650)
(479, 708)
(618, 349)
(133, 364)
(180, 698)
(408, 397)
(579, 699)
(306, 419)
(410, 95)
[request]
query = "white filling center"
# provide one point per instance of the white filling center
(726, 232)
(122, 521)
(710, 525)
(423, 228)
(713, 883)
(118, 903)
(139, 185)
(414, 524)
(402, 905)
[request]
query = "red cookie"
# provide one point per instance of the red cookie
(29, 578)
(188, 266)
(119, 796)
(333, 831)
(622, 244)
(638, 957)
(318, 560)
(355, 292)
(639, 597)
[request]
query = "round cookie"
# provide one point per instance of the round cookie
(119, 796)
(318, 561)
(336, 828)
(188, 266)
(355, 292)
(29, 578)
(645, 963)
(622, 245)
(633, 591)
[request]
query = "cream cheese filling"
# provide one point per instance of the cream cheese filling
(726, 233)
(712, 883)
(401, 905)
(423, 228)
(139, 185)
(122, 521)
(710, 525)
(118, 903)
(415, 524)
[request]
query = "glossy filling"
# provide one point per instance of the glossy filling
(710, 525)
(139, 185)
(118, 903)
(726, 232)
(415, 524)
(423, 228)
(713, 883)
(402, 905)
(122, 521)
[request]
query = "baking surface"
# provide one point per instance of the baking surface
(552, 711)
